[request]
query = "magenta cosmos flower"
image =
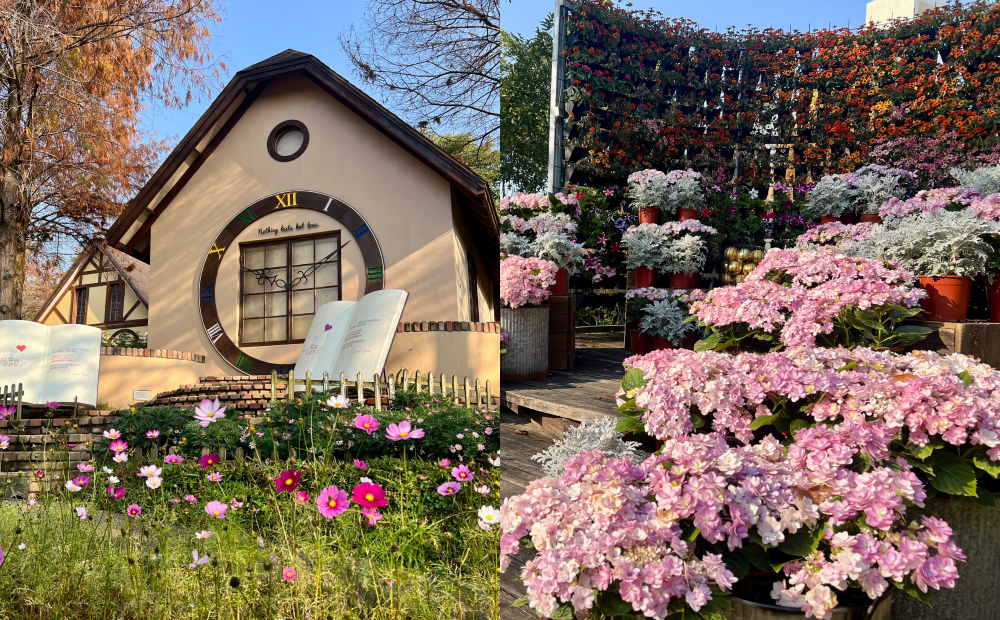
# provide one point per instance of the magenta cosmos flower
(208, 460)
(289, 575)
(118, 446)
(208, 412)
(332, 502)
(216, 509)
(369, 495)
(173, 459)
(462, 473)
(134, 510)
(360, 464)
(302, 498)
(288, 480)
(449, 488)
(403, 431)
(116, 493)
(373, 515)
(367, 423)
(153, 434)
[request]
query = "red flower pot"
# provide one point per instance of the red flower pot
(644, 276)
(641, 343)
(689, 341)
(947, 297)
(649, 215)
(562, 283)
(683, 280)
(993, 298)
(662, 343)
(687, 214)
(871, 217)
(829, 219)
(849, 218)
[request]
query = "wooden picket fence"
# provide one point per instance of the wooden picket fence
(465, 392)
(12, 395)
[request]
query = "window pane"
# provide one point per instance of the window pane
(250, 285)
(303, 283)
(327, 275)
(277, 304)
(326, 295)
(253, 331)
(253, 306)
(253, 258)
(300, 326)
(302, 302)
(302, 253)
(324, 247)
(282, 275)
(277, 255)
(275, 329)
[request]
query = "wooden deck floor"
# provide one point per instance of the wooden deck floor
(585, 392)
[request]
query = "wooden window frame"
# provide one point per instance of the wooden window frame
(473, 288)
(76, 304)
(109, 302)
(288, 242)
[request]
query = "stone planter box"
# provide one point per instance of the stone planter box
(528, 347)
(745, 610)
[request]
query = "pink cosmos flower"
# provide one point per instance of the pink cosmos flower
(462, 473)
(215, 477)
(202, 535)
(402, 432)
(367, 423)
(175, 500)
(116, 493)
(360, 464)
(208, 460)
(73, 487)
(120, 457)
(81, 511)
(208, 412)
(369, 495)
(112, 434)
(4, 442)
(216, 509)
(197, 561)
(449, 488)
(332, 502)
(85, 468)
(173, 459)
(191, 499)
(444, 463)
(52, 404)
(153, 434)
(338, 402)
(302, 498)
(82, 480)
(118, 446)
(40, 474)
(289, 575)
(373, 515)
(288, 480)
(6, 412)
(150, 471)
(133, 510)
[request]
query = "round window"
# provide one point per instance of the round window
(288, 140)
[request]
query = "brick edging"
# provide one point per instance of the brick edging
(449, 326)
(155, 353)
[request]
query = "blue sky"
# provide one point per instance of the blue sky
(255, 29)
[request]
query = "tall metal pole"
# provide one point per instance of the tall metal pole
(557, 99)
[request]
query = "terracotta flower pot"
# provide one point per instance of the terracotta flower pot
(829, 219)
(947, 297)
(662, 343)
(993, 298)
(871, 217)
(644, 277)
(649, 215)
(689, 341)
(641, 343)
(687, 214)
(850, 218)
(683, 280)
(562, 283)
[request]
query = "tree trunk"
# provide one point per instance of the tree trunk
(13, 233)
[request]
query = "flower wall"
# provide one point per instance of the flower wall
(648, 92)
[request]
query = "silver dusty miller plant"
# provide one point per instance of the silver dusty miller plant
(665, 319)
(560, 249)
(870, 189)
(591, 435)
(829, 197)
(985, 180)
(513, 244)
(684, 193)
(645, 245)
(683, 254)
(943, 243)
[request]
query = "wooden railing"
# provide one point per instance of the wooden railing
(465, 392)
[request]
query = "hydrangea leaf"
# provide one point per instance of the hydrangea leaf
(953, 475)
(983, 462)
(610, 603)
(803, 542)
(629, 424)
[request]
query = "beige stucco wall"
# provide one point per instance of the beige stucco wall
(472, 354)
(120, 375)
(406, 204)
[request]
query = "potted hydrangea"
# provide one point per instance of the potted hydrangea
(645, 245)
(524, 287)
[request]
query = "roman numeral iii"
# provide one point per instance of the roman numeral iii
(215, 332)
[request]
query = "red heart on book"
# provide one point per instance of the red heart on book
(328, 327)
(21, 348)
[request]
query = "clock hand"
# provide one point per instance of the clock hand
(263, 275)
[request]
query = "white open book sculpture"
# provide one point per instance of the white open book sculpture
(53, 364)
(352, 336)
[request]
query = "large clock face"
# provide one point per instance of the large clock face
(340, 211)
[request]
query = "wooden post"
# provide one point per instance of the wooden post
(326, 381)
(290, 393)
(361, 389)
(343, 385)
(378, 393)
(466, 391)
(308, 382)
(392, 388)
(222, 454)
(416, 380)
(430, 383)
(406, 380)
(454, 387)
(489, 395)
(239, 455)
(478, 401)
(274, 386)
(444, 386)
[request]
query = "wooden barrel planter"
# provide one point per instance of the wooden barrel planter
(976, 530)
(528, 345)
(746, 610)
